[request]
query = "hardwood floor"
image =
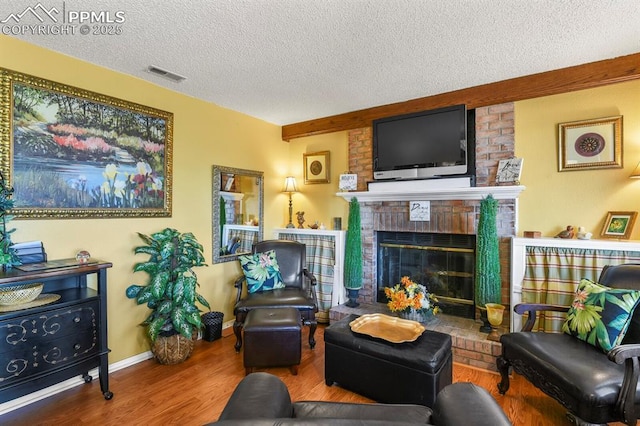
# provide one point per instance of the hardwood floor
(194, 393)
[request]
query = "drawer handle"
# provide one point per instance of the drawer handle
(77, 346)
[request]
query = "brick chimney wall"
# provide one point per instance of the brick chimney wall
(494, 141)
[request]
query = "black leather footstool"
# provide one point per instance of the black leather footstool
(397, 373)
(272, 338)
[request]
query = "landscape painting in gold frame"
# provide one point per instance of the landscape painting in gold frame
(619, 225)
(316, 167)
(590, 144)
(72, 153)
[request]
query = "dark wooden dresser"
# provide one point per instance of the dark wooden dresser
(44, 345)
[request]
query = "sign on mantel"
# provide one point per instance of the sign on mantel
(420, 211)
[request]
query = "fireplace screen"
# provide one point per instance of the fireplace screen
(444, 263)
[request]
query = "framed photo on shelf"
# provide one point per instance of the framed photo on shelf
(619, 225)
(316, 167)
(72, 153)
(590, 144)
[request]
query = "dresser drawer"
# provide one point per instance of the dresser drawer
(47, 326)
(27, 360)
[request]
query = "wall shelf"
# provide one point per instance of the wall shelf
(473, 193)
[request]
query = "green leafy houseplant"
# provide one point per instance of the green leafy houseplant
(353, 254)
(171, 292)
(8, 257)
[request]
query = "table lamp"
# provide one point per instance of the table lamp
(290, 187)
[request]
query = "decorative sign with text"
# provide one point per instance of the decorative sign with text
(420, 211)
(348, 182)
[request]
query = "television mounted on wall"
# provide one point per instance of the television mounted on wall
(426, 144)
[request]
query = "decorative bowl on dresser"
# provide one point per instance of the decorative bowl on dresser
(62, 333)
(19, 294)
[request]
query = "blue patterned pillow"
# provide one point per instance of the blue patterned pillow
(261, 271)
(600, 315)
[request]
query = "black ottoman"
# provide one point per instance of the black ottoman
(397, 373)
(272, 338)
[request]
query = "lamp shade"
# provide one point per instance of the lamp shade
(290, 184)
(636, 172)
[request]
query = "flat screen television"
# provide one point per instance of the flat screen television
(422, 145)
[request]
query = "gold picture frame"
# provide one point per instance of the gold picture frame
(316, 167)
(72, 153)
(619, 225)
(590, 144)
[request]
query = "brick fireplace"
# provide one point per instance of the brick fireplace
(494, 141)
(452, 215)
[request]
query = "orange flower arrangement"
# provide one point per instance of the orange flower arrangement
(408, 295)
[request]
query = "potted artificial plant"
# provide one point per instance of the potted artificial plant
(8, 256)
(353, 255)
(488, 281)
(171, 293)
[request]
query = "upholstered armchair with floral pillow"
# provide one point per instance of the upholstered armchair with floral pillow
(592, 367)
(275, 276)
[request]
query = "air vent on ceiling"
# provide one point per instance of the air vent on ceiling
(176, 78)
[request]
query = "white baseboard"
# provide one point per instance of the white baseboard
(22, 401)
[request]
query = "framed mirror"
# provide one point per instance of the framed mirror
(238, 210)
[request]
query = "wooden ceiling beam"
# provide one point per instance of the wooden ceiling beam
(579, 77)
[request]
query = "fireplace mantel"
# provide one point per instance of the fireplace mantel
(473, 193)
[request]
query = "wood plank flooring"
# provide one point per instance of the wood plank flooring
(194, 392)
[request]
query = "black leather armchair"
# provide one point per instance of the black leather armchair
(263, 399)
(595, 387)
(299, 291)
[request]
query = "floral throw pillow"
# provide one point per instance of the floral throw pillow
(600, 315)
(261, 271)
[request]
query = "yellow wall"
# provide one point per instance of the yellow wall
(318, 201)
(204, 134)
(555, 199)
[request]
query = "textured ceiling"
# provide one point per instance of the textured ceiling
(287, 61)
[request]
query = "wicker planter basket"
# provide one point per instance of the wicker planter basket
(172, 349)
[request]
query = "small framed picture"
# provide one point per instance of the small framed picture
(316, 167)
(619, 225)
(590, 144)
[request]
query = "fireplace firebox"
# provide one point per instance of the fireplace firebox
(444, 263)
